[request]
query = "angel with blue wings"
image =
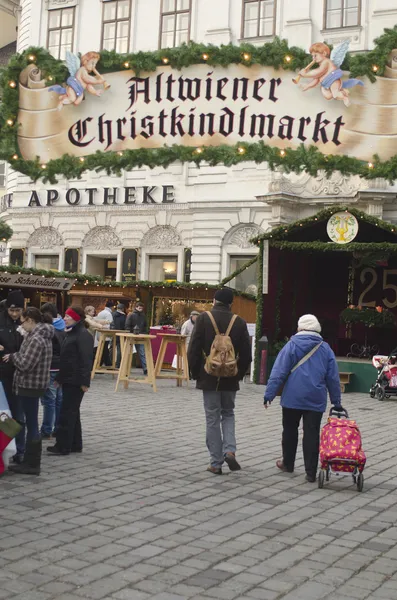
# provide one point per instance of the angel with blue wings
(328, 74)
(80, 80)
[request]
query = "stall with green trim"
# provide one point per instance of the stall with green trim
(351, 286)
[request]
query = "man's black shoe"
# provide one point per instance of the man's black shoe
(310, 478)
(55, 451)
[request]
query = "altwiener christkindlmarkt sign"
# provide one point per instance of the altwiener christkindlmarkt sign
(97, 108)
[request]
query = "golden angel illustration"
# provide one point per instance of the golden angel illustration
(80, 79)
(328, 74)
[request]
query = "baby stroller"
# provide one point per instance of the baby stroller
(385, 385)
(340, 448)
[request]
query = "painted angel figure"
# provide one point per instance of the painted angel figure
(80, 79)
(328, 74)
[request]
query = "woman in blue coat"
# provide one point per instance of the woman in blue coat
(307, 367)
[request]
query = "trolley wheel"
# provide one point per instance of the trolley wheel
(321, 477)
(387, 396)
(360, 482)
(372, 393)
(380, 393)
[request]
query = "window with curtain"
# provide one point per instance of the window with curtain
(247, 280)
(174, 23)
(116, 21)
(342, 13)
(259, 18)
(60, 31)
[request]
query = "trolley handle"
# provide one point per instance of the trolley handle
(338, 412)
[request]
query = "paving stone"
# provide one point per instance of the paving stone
(148, 524)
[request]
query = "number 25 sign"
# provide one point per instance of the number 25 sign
(389, 287)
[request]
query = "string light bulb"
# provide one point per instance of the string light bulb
(31, 57)
(12, 84)
(246, 56)
(198, 150)
(50, 78)
(165, 60)
(205, 56)
(81, 159)
(10, 122)
(370, 165)
(120, 153)
(375, 68)
(43, 166)
(241, 150)
(15, 156)
(126, 64)
(282, 152)
(288, 58)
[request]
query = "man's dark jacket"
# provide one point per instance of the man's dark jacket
(11, 340)
(136, 318)
(119, 320)
(200, 344)
(77, 353)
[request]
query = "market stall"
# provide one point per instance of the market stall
(341, 265)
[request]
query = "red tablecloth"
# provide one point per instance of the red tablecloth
(171, 348)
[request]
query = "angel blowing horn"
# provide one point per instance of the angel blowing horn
(79, 79)
(328, 74)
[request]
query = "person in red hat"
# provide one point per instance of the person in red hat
(75, 376)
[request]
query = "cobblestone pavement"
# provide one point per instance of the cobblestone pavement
(136, 516)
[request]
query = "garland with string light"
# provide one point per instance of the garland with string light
(276, 54)
(278, 237)
(80, 278)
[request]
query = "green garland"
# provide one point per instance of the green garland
(282, 232)
(5, 231)
(259, 316)
(370, 317)
(80, 278)
(332, 247)
(276, 54)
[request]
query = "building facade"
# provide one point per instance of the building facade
(186, 223)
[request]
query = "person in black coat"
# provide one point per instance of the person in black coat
(136, 323)
(10, 342)
(219, 393)
(119, 319)
(75, 377)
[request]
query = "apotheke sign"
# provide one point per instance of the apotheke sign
(91, 196)
(34, 281)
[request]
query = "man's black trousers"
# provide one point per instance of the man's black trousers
(68, 434)
(311, 438)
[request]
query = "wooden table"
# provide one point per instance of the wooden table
(127, 342)
(182, 370)
(104, 334)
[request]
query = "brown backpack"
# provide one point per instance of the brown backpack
(221, 361)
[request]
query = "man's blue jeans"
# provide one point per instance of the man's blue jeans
(30, 411)
(51, 402)
(140, 348)
(220, 430)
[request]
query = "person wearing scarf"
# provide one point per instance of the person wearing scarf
(75, 376)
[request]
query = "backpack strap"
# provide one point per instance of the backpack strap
(232, 321)
(215, 326)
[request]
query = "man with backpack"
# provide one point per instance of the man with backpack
(219, 355)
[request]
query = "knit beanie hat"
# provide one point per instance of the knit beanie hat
(225, 295)
(309, 323)
(15, 299)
